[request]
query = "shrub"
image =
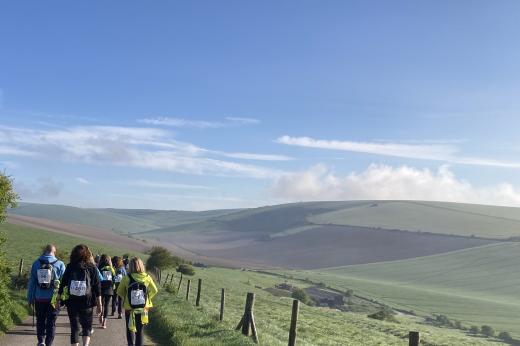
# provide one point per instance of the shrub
(474, 330)
(301, 295)
(186, 269)
(162, 258)
(170, 288)
(505, 336)
(385, 314)
(488, 331)
(349, 293)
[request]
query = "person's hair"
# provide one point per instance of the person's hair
(104, 261)
(48, 249)
(117, 262)
(136, 265)
(80, 253)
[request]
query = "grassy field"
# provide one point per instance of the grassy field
(26, 242)
(180, 323)
(476, 286)
(436, 217)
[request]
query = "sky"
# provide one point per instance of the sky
(199, 105)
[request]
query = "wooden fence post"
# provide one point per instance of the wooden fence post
(247, 323)
(199, 288)
(414, 339)
(20, 268)
(222, 302)
(188, 290)
(294, 322)
(166, 281)
(171, 279)
(180, 282)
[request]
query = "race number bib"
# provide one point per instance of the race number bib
(118, 278)
(78, 288)
(44, 276)
(137, 297)
(107, 275)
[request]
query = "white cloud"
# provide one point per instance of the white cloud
(382, 182)
(82, 181)
(201, 124)
(435, 152)
(257, 157)
(147, 148)
(166, 185)
(43, 188)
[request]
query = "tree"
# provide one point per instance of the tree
(301, 295)
(186, 269)
(474, 330)
(8, 199)
(162, 258)
(505, 336)
(488, 331)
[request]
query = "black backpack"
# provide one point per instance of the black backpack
(46, 274)
(137, 294)
(119, 276)
(106, 273)
(80, 288)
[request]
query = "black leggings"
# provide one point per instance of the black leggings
(139, 335)
(117, 301)
(79, 317)
(106, 304)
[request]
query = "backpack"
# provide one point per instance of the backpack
(137, 294)
(119, 276)
(46, 274)
(106, 273)
(79, 285)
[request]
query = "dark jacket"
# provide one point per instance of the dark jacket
(95, 284)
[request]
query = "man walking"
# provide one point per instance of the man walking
(46, 273)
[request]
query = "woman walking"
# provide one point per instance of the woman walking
(136, 290)
(80, 289)
(120, 274)
(107, 286)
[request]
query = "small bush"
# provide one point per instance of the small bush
(186, 269)
(505, 336)
(488, 331)
(301, 295)
(20, 282)
(385, 314)
(162, 258)
(474, 330)
(170, 288)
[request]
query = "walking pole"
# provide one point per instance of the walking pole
(33, 313)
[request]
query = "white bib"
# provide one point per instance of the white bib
(137, 297)
(107, 275)
(78, 288)
(44, 276)
(118, 278)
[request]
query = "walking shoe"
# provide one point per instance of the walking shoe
(119, 316)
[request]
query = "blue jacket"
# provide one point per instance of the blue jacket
(34, 292)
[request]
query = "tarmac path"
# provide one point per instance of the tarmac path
(25, 334)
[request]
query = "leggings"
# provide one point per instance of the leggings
(79, 317)
(117, 301)
(138, 336)
(106, 304)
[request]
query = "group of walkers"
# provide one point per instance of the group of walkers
(118, 283)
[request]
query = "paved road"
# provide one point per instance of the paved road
(25, 334)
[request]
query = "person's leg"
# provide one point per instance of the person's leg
(40, 311)
(50, 324)
(139, 337)
(119, 306)
(106, 304)
(85, 319)
(129, 335)
(74, 325)
(114, 304)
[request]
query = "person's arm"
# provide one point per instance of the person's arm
(96, 289)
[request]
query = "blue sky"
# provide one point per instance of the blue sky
(201, 105)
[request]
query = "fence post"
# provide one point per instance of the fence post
(222, 302)
(247, 323)
(166, 281)
(180, 282)
(414, 339)
(171, 279)
(199, 288)
(188, 290)
(20, 268)
(294, 322)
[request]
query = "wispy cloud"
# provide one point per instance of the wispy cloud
(82, 180)
(255, 157)
(166, 185)
(448, 153)
(44, 187)
(383, 182)
(200, 124)
(148, 148)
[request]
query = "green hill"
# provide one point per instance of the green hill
(477, 286)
